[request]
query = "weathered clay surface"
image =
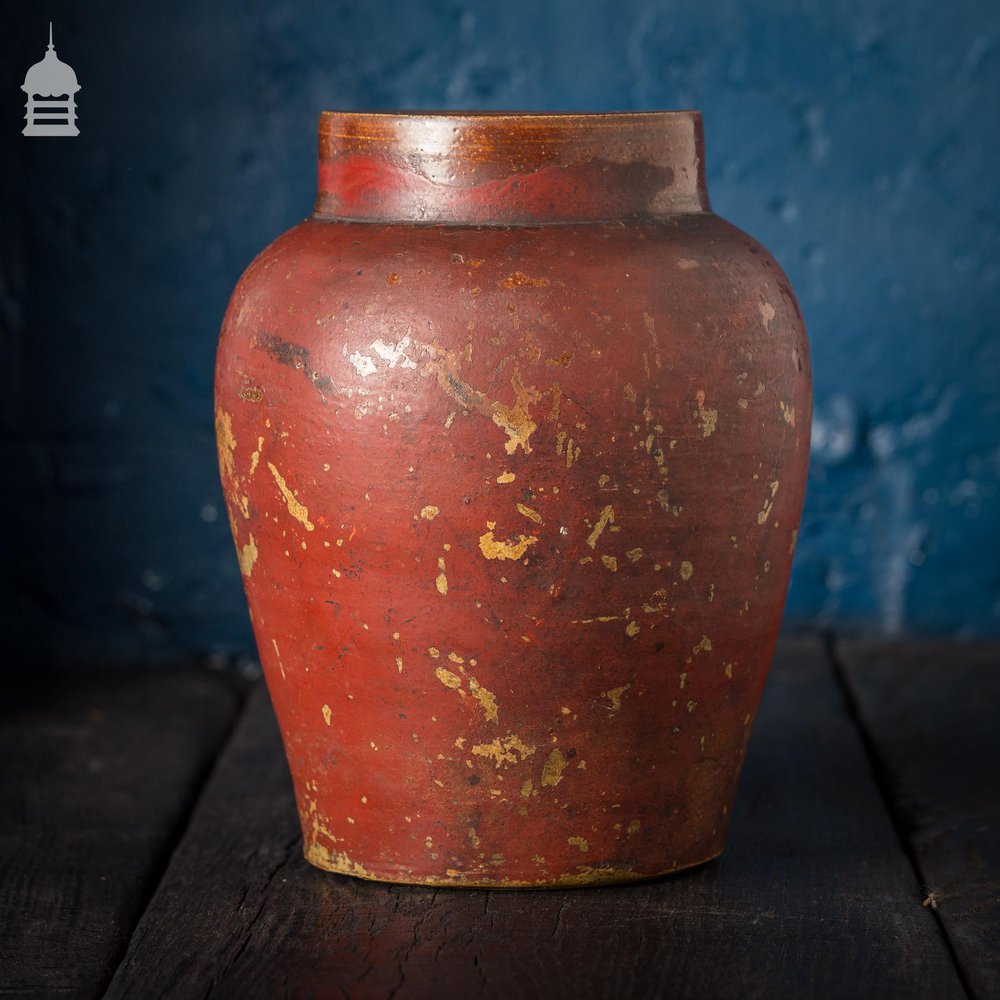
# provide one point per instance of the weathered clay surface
(515, 506)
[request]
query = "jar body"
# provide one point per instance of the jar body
(515, 509)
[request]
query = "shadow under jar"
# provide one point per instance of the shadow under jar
(513, 434)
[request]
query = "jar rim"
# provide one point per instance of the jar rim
(509, 167)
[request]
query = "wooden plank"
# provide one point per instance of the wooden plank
(814, 897)
(99, 772)
(931, 712)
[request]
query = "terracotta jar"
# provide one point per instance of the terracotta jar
(513, 434)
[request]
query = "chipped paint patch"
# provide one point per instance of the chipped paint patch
(442, 580)
(516, 420)
(394, 354)
(327, 714)
(430, 512)
(706, 417)
(552, 769)
(509, 749)
(634, 555)
(247, 557)
(296, 509)
(610, 562)
(767, 314)
(686, 570)
(447, 678)
(787, 413)
(506, 477)
(614, 696)
(519, 278)
(226, 441)
(606, 517)
(578, 842)
(363, 364)
(255, 456)
(494, 548)
(632, 629)
(531, 515)
(487, 699)
(704, 646)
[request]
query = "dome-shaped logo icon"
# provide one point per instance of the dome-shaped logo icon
(51, 87)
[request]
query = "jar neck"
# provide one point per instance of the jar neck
(510, 169)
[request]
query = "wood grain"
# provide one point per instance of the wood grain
(932, 712)
(814, 897)
(99, 771)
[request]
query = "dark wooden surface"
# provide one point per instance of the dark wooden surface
(99, 771)
(932, 715)
(870, 788)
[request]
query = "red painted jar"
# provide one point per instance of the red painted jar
(513, 433)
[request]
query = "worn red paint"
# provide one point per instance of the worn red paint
(515, 493)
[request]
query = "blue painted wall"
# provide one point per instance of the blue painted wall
(857, 139)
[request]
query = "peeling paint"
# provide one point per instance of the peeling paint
(606, 517)
(507, 749)
(296, 509)
(247, 557)
(494, 548)
(552, 769)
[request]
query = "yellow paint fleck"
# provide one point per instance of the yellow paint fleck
(532, 515)
(603, 480)
(442, 581)
(430, 512)
(509, 749)
(494, 548)
(296, 509)
(705, 645)
(634, 555)
(255, 457)
(473, 837)
(788, 414)
(614, 695)
(433, 651)
(506, 477)
(552, 769)
(247, 557)
(447, 678)
(686, 570)
(578, 842)
(327, 714)
(632, 629)
(519, 278)
(487, 699)
(610, 563)
(226, 441)
(516, 420)
(794, 541)
(706, 417)
(607, 516)
(527, 788)
(399, 664)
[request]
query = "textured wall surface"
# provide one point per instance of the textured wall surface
(856, 138)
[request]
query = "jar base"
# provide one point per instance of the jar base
(340, 864)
